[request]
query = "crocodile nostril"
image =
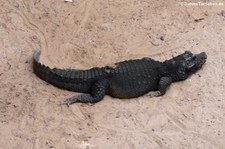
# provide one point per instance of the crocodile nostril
(194, 57)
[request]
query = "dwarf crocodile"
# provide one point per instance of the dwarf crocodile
(126, 79)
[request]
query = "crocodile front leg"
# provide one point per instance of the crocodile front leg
(163, 84)
(98, 91)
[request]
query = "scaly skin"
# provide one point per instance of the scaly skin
(127, 79)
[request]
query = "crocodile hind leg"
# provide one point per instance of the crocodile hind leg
(163, 84)
(98, 91)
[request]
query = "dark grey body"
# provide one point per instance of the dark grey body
(128, 79)
(134, 78)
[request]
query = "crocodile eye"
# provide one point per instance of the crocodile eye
(188, 58)
(190, 65)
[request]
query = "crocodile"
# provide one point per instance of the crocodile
(126, 79)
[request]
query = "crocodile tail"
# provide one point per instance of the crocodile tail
(57, 77)
(39, 69)
(42, 71)
(69, 79)
(54, 75)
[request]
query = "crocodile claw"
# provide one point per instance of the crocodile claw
(154, 94)
(69, 101)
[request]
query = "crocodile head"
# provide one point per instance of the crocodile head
(183, 65)
(195, 62)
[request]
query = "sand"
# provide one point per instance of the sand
(86, 33)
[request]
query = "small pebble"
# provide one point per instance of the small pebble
(68, 1)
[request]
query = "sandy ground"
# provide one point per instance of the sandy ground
(89, 33)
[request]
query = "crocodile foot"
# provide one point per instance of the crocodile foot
(69, 101)
(154, 94)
